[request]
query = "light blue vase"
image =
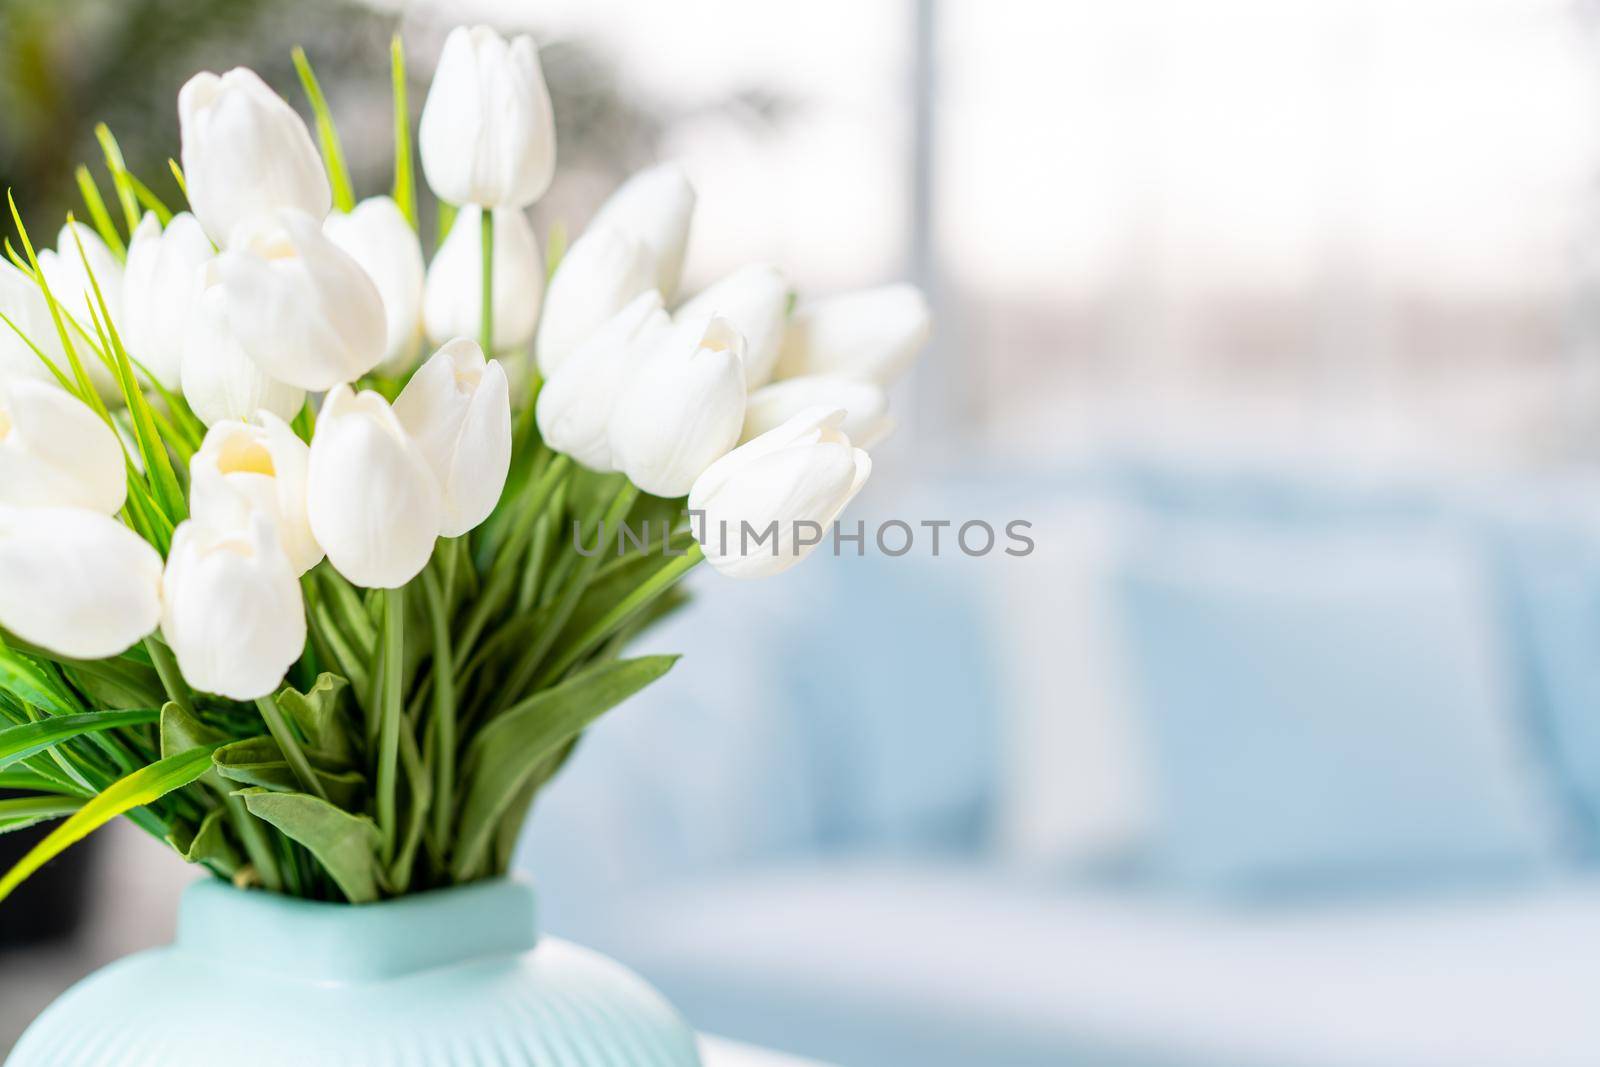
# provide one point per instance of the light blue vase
(456, 977)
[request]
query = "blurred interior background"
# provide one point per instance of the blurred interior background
(1280, 322)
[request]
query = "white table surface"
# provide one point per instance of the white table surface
(719, 1053)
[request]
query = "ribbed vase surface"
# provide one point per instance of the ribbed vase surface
(453, 978)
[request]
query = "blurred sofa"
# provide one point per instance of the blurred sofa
(1239, 767)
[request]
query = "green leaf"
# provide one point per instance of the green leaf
(144, 786)
(346, 845)
(507, 753)
(260, 762)
(327, 135)
(17, 743)
(19, 813)
(320, 716)
(116, 683)
(182, 731)
(209, 845)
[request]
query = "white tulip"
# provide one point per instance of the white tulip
(655, 206)
(76, 582)
(602, 271)
(799, 477)
(246, 153)
(575, 406)
(373, 500)
(232, 610)
(56, 452)
(161, 287)
(487, 134)
(453, 302)
(23, 304)
(457, 408)
(683, 408)
(756, 300)
(865, 404)
(69, 280)
(299, 305)
(243, 470)
(873, 335)
(220, 381)
(377, 236)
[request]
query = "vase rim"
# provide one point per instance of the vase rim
(322, 941)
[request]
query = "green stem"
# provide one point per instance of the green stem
(394, 607)
(486, 330)
(278, 727)
(611, 621)
(523, 673)
(171, 678)
(444, 714)
(255, 843)
(502, 575)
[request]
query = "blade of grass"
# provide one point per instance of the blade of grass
(327, 135)
(19, 813)
(98, 213)
(405, 182)
(150, 200)
(120, 178)
(144, 786)
(18, 743)
(85, 390)
(157, 464)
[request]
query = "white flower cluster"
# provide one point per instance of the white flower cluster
(264, 296)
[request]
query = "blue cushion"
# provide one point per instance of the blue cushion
(1327, 708)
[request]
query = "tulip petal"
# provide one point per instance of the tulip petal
(374, 503)
(76, 582)
(233, 612)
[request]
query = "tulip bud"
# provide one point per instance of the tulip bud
(57, 453)
(682, 410)
(866, 406)
(232, 610)
(602, 271)
(377, 236)
(487, 133)
(243, 470)
(298, 304)
(655, 207)
(756, 300)
(219, 380)
(452, 305)
(69, 280)
(23, 304)
(873, 335)
(161, 286)
(457, 408)
(245, 153)
(374, 502)
(798, 477)
(76, 582)
(575, 406)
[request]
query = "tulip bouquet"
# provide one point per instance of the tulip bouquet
(324, 619)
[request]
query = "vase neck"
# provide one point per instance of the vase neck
(315, 941)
